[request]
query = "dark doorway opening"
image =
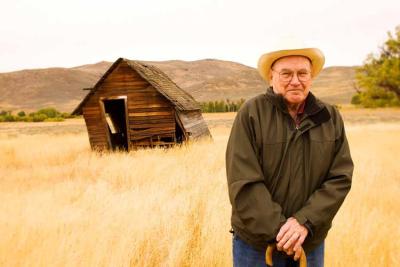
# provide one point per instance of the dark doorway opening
(115, 115)
(179, 135)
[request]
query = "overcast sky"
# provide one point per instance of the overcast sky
(66, 33)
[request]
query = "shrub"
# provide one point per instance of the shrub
(55, 119)
(375, 98)
(9, 118)
(39, 117)
(49, 112)
(45, 114)
(380, 75)
(66, 115)
(221, 106)
(356, 99)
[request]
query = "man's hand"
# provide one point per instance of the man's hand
(290, 237)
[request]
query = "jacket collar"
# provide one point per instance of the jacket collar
(314, 108)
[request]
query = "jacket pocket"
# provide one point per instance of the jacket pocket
(272, 154)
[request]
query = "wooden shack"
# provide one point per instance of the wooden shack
(135, 104)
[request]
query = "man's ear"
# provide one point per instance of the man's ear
(270, 77)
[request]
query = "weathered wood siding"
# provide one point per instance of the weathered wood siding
(151, 116)
(95, 128)
(194, 124)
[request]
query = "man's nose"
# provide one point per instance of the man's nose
(295, 80)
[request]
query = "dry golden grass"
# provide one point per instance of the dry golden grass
(64, 205)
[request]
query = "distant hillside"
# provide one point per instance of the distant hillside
(335, 85)
(216, 79)
(211, 79)
(54, 87)
(206, 80)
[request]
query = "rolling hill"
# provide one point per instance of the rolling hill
(206, 80)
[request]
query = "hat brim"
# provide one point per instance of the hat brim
(314, 54)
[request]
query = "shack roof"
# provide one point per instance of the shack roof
(158, 79)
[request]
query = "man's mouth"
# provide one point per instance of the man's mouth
(295, 90)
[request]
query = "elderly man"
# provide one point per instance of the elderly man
(288, 165)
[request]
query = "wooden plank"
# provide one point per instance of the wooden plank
(148, 104)
(94, 121)
(150, 125)
(88, 114)
(123, 69)
(96, 128)
(120, 87)
(200, 128)
(122, 77)
(138, 92)
(192, 124)
(97, 134)
(143, 143)
(150, 109)
(92, 116)
(200, 132)
(95, 125)
(98, 141)
(149, 134)
(153, 125)
(125, 83)
(137, 138)
(98, 138)
(149, 96)
(167, 117)
(153, 131)
(143, 90)
(112, 92)
(152, 113)
(151, 141)
(147, 99)
(88, 109)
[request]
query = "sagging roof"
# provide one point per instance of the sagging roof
(158, 79)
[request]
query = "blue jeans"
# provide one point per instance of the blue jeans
(245, 255)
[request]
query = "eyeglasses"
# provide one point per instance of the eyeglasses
(287, 75)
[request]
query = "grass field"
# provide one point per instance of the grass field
(63, 205)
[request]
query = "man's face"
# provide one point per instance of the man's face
(291, 77)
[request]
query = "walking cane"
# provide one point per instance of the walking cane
(271, 248)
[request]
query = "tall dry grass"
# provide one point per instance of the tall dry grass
(64, 205)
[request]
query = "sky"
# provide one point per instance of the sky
(67, 33)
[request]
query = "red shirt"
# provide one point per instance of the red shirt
(299, 114)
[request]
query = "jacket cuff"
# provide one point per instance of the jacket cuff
(309, 227)
(301, 219)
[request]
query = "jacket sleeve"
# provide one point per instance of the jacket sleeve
(324, 203)
(251, 201)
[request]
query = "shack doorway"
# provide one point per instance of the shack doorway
(179, 132)
(115, 116)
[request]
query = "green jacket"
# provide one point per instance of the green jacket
(276, 170)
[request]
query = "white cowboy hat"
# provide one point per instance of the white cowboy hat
(290, 47)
